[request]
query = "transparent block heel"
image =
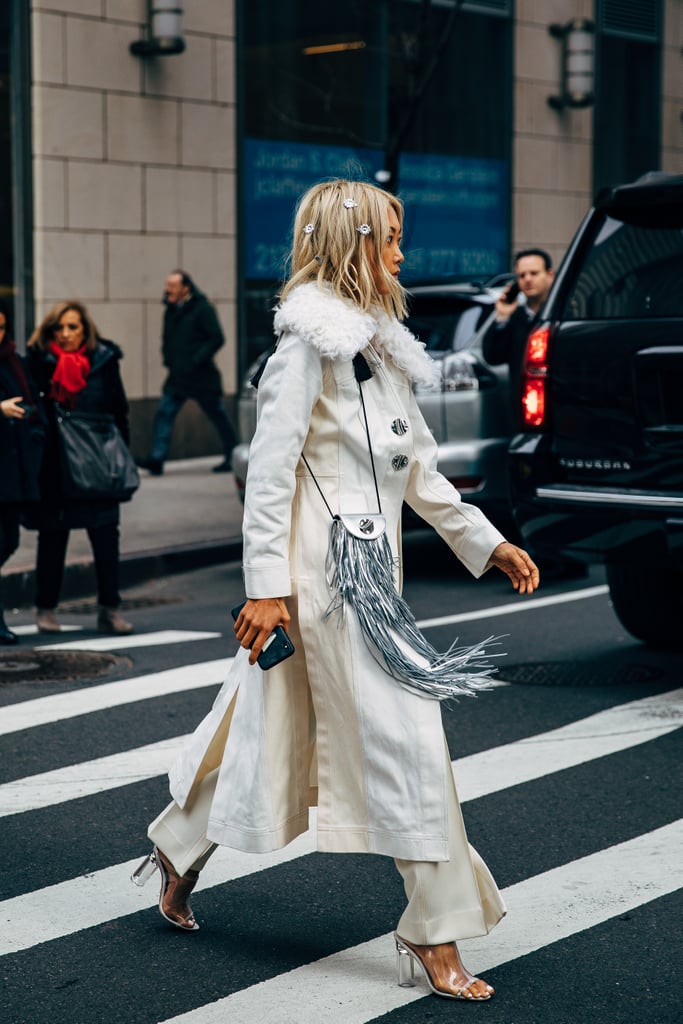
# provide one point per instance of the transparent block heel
(405, 967)
(145, 870)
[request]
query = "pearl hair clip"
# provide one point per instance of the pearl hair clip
(308, 230)
(350, 204)
(364, 229)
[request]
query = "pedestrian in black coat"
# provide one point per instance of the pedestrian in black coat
(191, 337)
(77, 369)
(22, 435)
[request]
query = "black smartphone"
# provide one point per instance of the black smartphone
(28, 409)
(511, 292)
(277, 647)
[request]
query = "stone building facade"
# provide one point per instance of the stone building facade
(134, 172)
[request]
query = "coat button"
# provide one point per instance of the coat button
(399, 461)
(400, 426)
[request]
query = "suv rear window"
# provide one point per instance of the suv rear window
(631, 271)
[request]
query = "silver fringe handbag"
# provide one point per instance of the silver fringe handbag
(360, 573)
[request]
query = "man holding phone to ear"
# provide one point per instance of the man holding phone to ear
(505, 340)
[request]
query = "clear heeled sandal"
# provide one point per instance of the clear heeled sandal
(406, 958)
(174, 904)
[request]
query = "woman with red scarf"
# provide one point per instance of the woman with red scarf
(21, 447)
(76, 369)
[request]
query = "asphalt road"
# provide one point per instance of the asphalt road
(569, 775)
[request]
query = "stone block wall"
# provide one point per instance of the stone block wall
(552, 175)
(672, 88)
(134, 175)
(552, 150)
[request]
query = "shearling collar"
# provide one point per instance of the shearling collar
(337, 328)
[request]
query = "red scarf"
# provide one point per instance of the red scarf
(71, 374)
(8, 354)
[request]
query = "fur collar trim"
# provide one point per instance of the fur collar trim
(338, 329)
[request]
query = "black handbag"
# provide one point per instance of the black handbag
(95, 461)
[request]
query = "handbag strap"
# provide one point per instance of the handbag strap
(362, 372)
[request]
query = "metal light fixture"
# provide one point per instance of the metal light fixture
(163, 31)
(578, 63)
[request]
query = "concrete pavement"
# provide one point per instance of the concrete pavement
(187, 518)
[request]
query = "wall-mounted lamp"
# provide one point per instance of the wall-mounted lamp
(578, 63)
(163, 33)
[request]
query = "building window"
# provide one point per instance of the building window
(626, 128)
(328, 89)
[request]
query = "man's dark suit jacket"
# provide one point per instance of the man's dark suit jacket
(506, 344)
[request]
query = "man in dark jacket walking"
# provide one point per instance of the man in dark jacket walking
(191, 337)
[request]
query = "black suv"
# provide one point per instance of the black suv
(597, 474)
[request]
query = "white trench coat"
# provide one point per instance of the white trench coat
(329, 725)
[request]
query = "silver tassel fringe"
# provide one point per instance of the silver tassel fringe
(360, 573)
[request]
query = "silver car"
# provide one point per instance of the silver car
(469, 415)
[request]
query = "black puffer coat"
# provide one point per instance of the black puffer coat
(103, 392)
(21, 446)
(191, 337)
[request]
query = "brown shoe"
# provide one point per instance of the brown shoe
(111, 621)
(47, 621)
(175, 892)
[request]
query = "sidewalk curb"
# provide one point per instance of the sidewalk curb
(18, 588)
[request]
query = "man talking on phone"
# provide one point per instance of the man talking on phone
(505, 340)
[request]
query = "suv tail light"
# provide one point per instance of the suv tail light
(535, 378)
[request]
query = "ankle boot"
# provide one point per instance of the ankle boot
(7, 637)
(111, 621)
(47, 621)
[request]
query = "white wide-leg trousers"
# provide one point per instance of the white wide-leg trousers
(447, 900)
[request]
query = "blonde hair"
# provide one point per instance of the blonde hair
(45, 331)
(333, 251)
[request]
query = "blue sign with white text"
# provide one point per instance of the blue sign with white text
(276, 174)
(456, 215)
(456, 219)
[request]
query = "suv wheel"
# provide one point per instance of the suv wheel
(648, 603)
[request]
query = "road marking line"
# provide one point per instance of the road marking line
(59, 706)
(84, 902)
(33, 630)
(521, 605)
(93, 899)
(606, 732)
(89, 777)
(117, 643)
(358, 984)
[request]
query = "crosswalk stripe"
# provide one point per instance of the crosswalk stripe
(118, 643)
(59, 706)
(78, 903)
(32, 630)
(521, 605)
(358, 984)
(606, 732)
(88, 778)
(92, 899)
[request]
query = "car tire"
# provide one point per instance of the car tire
(648, 603)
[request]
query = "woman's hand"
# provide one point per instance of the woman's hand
(256, 622)
(516, 564)
(11, 410)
